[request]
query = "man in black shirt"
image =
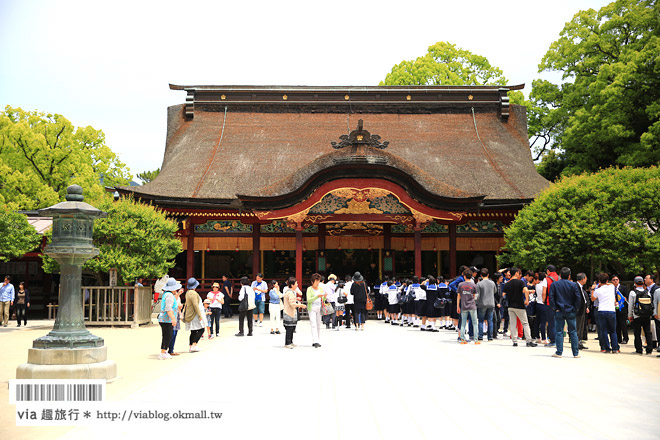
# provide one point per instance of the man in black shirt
(518, 297)
(226, 290)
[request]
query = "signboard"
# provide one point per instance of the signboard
(113, 277)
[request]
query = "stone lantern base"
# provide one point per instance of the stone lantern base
(76, 363)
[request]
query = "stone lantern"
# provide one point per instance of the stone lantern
(69, 351)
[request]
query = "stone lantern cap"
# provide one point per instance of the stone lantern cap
(74, 205)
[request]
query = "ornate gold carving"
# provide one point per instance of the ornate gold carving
(261, 214)
(316, 218)
(358, 207)
(457, 215)
(400, 218)
(299, 217)
(421, 218)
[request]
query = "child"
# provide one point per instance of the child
(207, 311)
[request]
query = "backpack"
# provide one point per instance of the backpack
(643, 306)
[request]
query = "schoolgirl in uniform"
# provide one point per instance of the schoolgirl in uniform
(432, 312)
(340, 307)
(393, 301)
(443, 292)
(420, 304)
(381, 300)
(409, 308)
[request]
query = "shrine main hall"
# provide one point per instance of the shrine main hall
(291, 180)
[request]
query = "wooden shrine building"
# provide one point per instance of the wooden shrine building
(295, 180)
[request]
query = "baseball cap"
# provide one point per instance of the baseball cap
(639, 280)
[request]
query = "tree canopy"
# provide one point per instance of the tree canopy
(607, 112)
(608, 221)
(42, 154)
(17, 236)
(148, 176)
(136, 239)
(445, 64)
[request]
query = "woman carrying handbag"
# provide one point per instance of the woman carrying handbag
(245, 306)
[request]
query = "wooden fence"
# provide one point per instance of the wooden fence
(105, 305)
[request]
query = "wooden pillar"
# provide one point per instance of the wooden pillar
(321, 237)
(203, 263)
(418, 251)
(387, 236)
(256, 250)
(190, 253)
(299, 255)
(452, 250)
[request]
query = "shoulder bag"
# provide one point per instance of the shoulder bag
(243, 305)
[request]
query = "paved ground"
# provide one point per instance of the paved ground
(385, 382)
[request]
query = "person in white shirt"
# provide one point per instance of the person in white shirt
(217, 299)
(393, 301)
(350, 303)
(329, 289)
(604, 292)
(540, 321)
(245, 310)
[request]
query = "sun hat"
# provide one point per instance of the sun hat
(357, 276)
(171, 285)
(215, 285)
(332, 276)
(192, 283)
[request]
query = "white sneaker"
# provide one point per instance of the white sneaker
(194, 349)
(164, 356)
(211, 337)
(261, 324)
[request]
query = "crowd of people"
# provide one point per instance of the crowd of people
(540, 308)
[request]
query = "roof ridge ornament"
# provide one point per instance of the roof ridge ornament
(359, 136)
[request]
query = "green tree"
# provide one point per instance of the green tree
(148, 176)
(445, 64)
(607, 112)
(42, 154)
(136, 239)
(608, 221)
(17, 236)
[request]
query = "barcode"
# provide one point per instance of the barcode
(57, 391)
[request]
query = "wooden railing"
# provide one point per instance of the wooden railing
(105, 305)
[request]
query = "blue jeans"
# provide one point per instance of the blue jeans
(540, 320)
(464, 317)
(216, 312)
(470, 324)
(608, 330)
(550, 317)
(487, 314)
(572, 332)
(171, 347)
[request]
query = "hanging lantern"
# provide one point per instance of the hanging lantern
(237, 248)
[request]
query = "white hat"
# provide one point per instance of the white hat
(171, 285)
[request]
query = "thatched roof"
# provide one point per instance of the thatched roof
(225, 143)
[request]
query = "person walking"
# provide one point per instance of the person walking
(7, 294)
(330, 289)
(640, 312)
(349, 304)
(565, 300)
(167, 319)
(621, 309)
(315, 297)
(176, 307)
(260, 288)
(359, 292)
(217, 299)
(517, 296)
(486, 303)
(467, 306)
(583, 310)
(246, 306)
(194, 315)
(274, 307)
(604, 292)
(22, 303)
(291, 303)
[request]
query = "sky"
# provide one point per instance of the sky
(108, 63)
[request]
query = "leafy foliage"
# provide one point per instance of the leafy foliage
(136, 239)
(608, 220)
(17, 236)
(148, 176)
(607, 112)
(42, 154)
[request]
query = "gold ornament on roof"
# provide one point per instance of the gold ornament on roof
(358, 207)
